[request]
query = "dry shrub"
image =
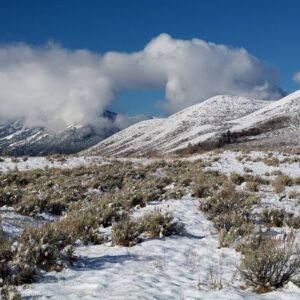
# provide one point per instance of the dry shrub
(280, 182)
(247, 170)
(258, 179)
(9, 292)
(227, 200)
(53, 190)
(290, 160)
(125, 233)
(228, 210)
(83, 226)
(271, 161)
(207, 183)
(252, 186)
(103, 210)
(297, 180)
(276, 173)
(239, 158)
(293, 222)
(5, 257)
(236, 178)
(231, 227)
(293, 194)
(235, 233)
(9, 196)
(157, 224)
(48, 248)
(273, 217)
(270, 263)
(279, 217)
(246, 151)
(140, 193)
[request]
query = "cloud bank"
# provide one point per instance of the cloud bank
(296, 77)
(54, 87)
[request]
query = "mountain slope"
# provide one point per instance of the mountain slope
(277, 123)
(17, 139)
(193, 125)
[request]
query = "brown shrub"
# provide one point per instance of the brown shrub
(125, 233)
(270, 265)
(274, 217)
(157, 223)
(252, 186)
(280, 182)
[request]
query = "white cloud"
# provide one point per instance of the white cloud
(296, 77)
(54, 87)
(122, 121)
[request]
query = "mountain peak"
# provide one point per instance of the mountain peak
(190, 125)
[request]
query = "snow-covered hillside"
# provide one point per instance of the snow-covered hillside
(276, 124)
(249, 120)
(192, 125)
(288, 106)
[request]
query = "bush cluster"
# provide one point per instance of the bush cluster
(279, 217)
(229, 211)
(128, 232)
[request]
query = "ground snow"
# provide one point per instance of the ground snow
(168, 268)
(228, 163)
(13, 223)
(33, 163)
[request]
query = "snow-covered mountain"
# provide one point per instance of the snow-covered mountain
(275, 124)
(193, 125)
(17, 139)
(217, 121)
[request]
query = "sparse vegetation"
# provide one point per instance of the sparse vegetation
(229, 211)
(85, 199)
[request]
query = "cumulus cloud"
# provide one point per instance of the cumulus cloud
(53, 87)
(296, 77)
(122, 121)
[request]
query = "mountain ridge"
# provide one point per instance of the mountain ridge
(194, 124)
(213, 123)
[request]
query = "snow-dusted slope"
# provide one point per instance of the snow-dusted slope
(278, 122)
(288, 106)
(191, 125)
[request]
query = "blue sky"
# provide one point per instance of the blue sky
(267, 29)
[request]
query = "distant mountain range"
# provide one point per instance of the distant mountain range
(17, 139)
(216, 122)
